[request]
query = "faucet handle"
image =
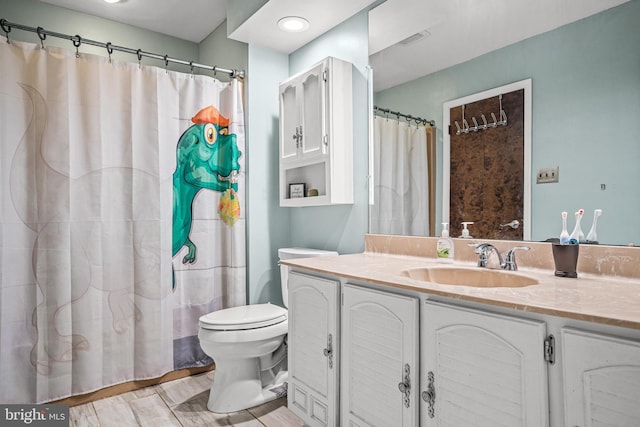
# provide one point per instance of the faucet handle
(482, 250)
(510, 258)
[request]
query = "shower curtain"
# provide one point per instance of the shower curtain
(121, 220)
(401, 204)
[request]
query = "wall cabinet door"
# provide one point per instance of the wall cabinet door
(379, 382)
(601, 379)
(313, 349)
(302, 111)
(481, 369)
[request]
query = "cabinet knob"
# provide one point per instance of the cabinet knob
(328, 352)
(405, 385)
(429, 395)
(297, 137)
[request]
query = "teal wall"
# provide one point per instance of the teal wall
(586, 102)
(270, 227)
(267, 222)
(341, 228)
(217, 49)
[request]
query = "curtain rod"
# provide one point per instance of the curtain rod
(77, 41)
(407, 116)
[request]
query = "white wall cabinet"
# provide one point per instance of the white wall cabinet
(379, 382)
(601, 380)
(316, 134)
(313, 349)
(480, 368)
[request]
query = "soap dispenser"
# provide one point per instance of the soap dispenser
(465, 231)
(444, 248)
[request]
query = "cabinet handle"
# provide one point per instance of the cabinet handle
(298, 136)
(328, 352)
(405, 386)
(429, 395)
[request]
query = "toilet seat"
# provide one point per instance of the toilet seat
(244, 317)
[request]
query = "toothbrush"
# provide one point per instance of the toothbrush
(580, 233)
(593, 236)
(564, 236)
(574, 238)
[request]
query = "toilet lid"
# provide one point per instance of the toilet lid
(244, 317)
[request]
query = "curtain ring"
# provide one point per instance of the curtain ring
(109, 50)
(139, 54)
(6, 28)
(215, 70)
(191, 65)
(41, 35)
(77, 41)
(166, 63)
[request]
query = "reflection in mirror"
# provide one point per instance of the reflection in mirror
(486, 165)
(586, 103)
(403, 174)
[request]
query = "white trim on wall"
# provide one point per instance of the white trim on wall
(446, 146)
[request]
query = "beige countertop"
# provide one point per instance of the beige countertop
(608, 299)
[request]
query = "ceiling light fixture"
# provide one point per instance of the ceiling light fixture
(293, 24)
(112, 1)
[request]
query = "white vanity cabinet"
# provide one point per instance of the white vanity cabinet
(481, 369)
(316, 134)
(601, 376)
(379, 381)
(313, 350)
(367, 355)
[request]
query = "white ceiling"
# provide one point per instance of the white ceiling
(454, 30)
(262, 27)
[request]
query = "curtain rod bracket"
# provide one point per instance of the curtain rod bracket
(6, 28)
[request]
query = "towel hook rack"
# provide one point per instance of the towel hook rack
(485, 125)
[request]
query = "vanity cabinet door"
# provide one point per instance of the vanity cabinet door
(601, 377)
(379, 383)
(313, 349)
(481, 369)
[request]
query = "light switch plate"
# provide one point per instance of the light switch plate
(548, 175)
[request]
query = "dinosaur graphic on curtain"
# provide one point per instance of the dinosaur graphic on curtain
(206, 158)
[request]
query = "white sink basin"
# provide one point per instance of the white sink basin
(476, 277)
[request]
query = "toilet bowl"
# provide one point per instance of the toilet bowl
(249, 347)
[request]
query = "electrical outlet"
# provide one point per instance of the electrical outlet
(547, 175)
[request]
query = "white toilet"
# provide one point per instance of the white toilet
(248, 345)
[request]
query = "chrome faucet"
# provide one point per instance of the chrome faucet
(510, 258)
(484, 249)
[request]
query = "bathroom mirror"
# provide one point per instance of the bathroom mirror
(585, 79)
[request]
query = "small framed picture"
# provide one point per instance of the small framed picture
(297, 190)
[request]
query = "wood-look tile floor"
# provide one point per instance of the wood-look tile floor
(178, 403)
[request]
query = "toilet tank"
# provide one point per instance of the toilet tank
(292, 253)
